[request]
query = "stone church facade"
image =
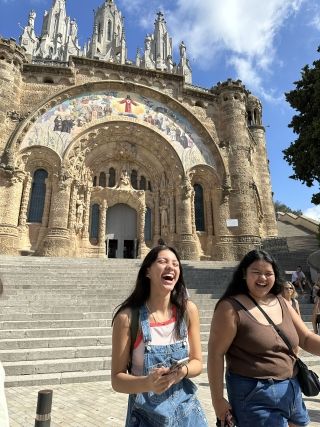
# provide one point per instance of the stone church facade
(101, 156)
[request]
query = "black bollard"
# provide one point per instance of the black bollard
(43, 415)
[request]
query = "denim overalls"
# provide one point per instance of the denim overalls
(176, 407)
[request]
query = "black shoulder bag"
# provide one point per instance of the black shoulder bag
(308, 380)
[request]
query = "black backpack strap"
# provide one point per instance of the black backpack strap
(134, 327)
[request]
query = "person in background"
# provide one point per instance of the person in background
(315, 289)
(289, 293)
(299, 279)
(316, 313)
(262, 386)
(4, 417)
(169, 330)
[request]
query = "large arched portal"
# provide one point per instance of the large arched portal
(121, 238)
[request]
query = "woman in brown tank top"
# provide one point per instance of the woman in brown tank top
(261, 374)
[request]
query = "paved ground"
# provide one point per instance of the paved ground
(97, 405)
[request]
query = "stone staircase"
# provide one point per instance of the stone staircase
(55, 314)
(301, 243)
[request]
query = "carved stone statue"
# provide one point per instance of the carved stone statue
(79, 210)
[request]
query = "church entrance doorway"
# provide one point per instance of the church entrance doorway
(121, 228)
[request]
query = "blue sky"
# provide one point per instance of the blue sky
(265, 44)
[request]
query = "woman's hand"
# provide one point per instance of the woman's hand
(160, 379)
(221, 408)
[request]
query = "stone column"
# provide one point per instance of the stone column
(143, 249)
(102, 229)
(156, 235)
(86, 214)
(187, 244)
(25, 201)
(11, 185)
(58, 241)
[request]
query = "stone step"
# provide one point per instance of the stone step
(36, 354)
(59, 324)
(57, 378)
(54, 342)
(53, 332)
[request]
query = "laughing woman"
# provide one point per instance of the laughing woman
(167, 331)
(262, 387)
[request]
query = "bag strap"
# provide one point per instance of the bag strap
(278, 330)
(134, 327)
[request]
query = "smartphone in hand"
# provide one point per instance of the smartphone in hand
(179, 363)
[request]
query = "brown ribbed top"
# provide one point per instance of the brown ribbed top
(257, 350)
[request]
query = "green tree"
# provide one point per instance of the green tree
(304, 153)
(281, 207)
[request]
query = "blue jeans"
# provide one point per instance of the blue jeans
(266, 403)
(176, 407)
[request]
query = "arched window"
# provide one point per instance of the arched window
(149, 186)
(95, 181)
(143, 183)
(199, 207)
(38, 195)
(134, 179)
(147, 225)
(109, 29)
(102, 179)
(95, 218)
(112, 177)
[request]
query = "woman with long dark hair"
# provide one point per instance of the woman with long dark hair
(262, 387)
(167, 331)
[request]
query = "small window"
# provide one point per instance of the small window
(109, 30)
(134, 179)
(102, 179)
(112, 177)
(38, 195)
(199, 207)
(147, 225)
(95, 218)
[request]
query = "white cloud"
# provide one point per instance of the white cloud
(243, 31)
(244, 28)
(313, 213)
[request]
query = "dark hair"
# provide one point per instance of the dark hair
(141, 291)
(318, 293)
(238, 284)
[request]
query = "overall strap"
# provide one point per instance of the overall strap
(278, 330)
(145, 325)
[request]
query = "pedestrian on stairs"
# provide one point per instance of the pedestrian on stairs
(155, 327)
(316, 313)
(4, 417)
(262, 387)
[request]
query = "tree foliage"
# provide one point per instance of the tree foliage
(281, 207)
(304, 153)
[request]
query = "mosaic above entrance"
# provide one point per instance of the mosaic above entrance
(58, 127)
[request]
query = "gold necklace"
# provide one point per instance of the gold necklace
(151, 313)
(153, 316)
